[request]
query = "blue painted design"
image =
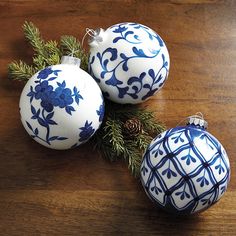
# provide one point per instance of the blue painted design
(185, 170)
(50, 97)
(113, 67)
(126, 33)
(101, 111)
(153, 86)
(113, 81)
(86, 132)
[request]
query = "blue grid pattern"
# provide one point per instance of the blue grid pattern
(185, 170)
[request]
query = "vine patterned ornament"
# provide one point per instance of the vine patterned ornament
(185, 169)
(61, 106)
(130, 63)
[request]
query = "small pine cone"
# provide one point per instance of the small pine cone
(132, 127)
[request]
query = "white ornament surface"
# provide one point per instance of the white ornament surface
(130, 64)
(61, 106)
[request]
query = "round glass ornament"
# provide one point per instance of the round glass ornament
(185, 169)
(129, 61)
(61, 106)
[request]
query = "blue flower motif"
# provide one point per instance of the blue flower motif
(46, 103)
(42, 90)
(61, 97)
(43, 74)
(87, 131)
(50, 97)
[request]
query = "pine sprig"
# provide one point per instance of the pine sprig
(110, 140)
(113, 132)
(20, 71)
(33, 36)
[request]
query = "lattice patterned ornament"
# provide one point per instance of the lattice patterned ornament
(61, 106)
(185, 169)
(129, 61)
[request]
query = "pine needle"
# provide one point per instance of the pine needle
(33, 36)
(20, 71)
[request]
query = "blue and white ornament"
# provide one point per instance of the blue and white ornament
(185, 169)
(61, 106)
(129, 61)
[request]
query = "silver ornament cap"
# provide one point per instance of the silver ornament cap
(197, 120)
(70, 60)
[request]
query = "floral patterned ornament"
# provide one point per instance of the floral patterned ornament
(130, 62)
(185, 169)
(57, 103)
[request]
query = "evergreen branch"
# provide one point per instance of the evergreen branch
(53, 52)
(143, 140)
(20, 71)
(133, 157)
(113, 132)
(33, 36)
(46, 53)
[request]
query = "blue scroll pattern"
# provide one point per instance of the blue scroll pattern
(151, 80)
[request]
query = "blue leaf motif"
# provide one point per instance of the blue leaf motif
(169, 173)
(144, 170)
(151, 73)
(128, 32)
(123, 56)
(221, 168)
(159, 40)
(55, 72)
(62, 138)
(29, 125)
(51, 122)
(53, 138)
(42, 122)
(77, 95)
(33, 110)
(203, 181)
(69, 109)
(115, 40)
(52, 78)
(188, 159)
(138, 52)
(113, 81)
(156, 189)
(49, 116)
(124, 66)
(36, 131)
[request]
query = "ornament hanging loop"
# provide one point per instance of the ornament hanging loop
(197, 119)
(95, 36)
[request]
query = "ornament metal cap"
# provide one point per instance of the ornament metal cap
(70, 60)
(197, 120)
